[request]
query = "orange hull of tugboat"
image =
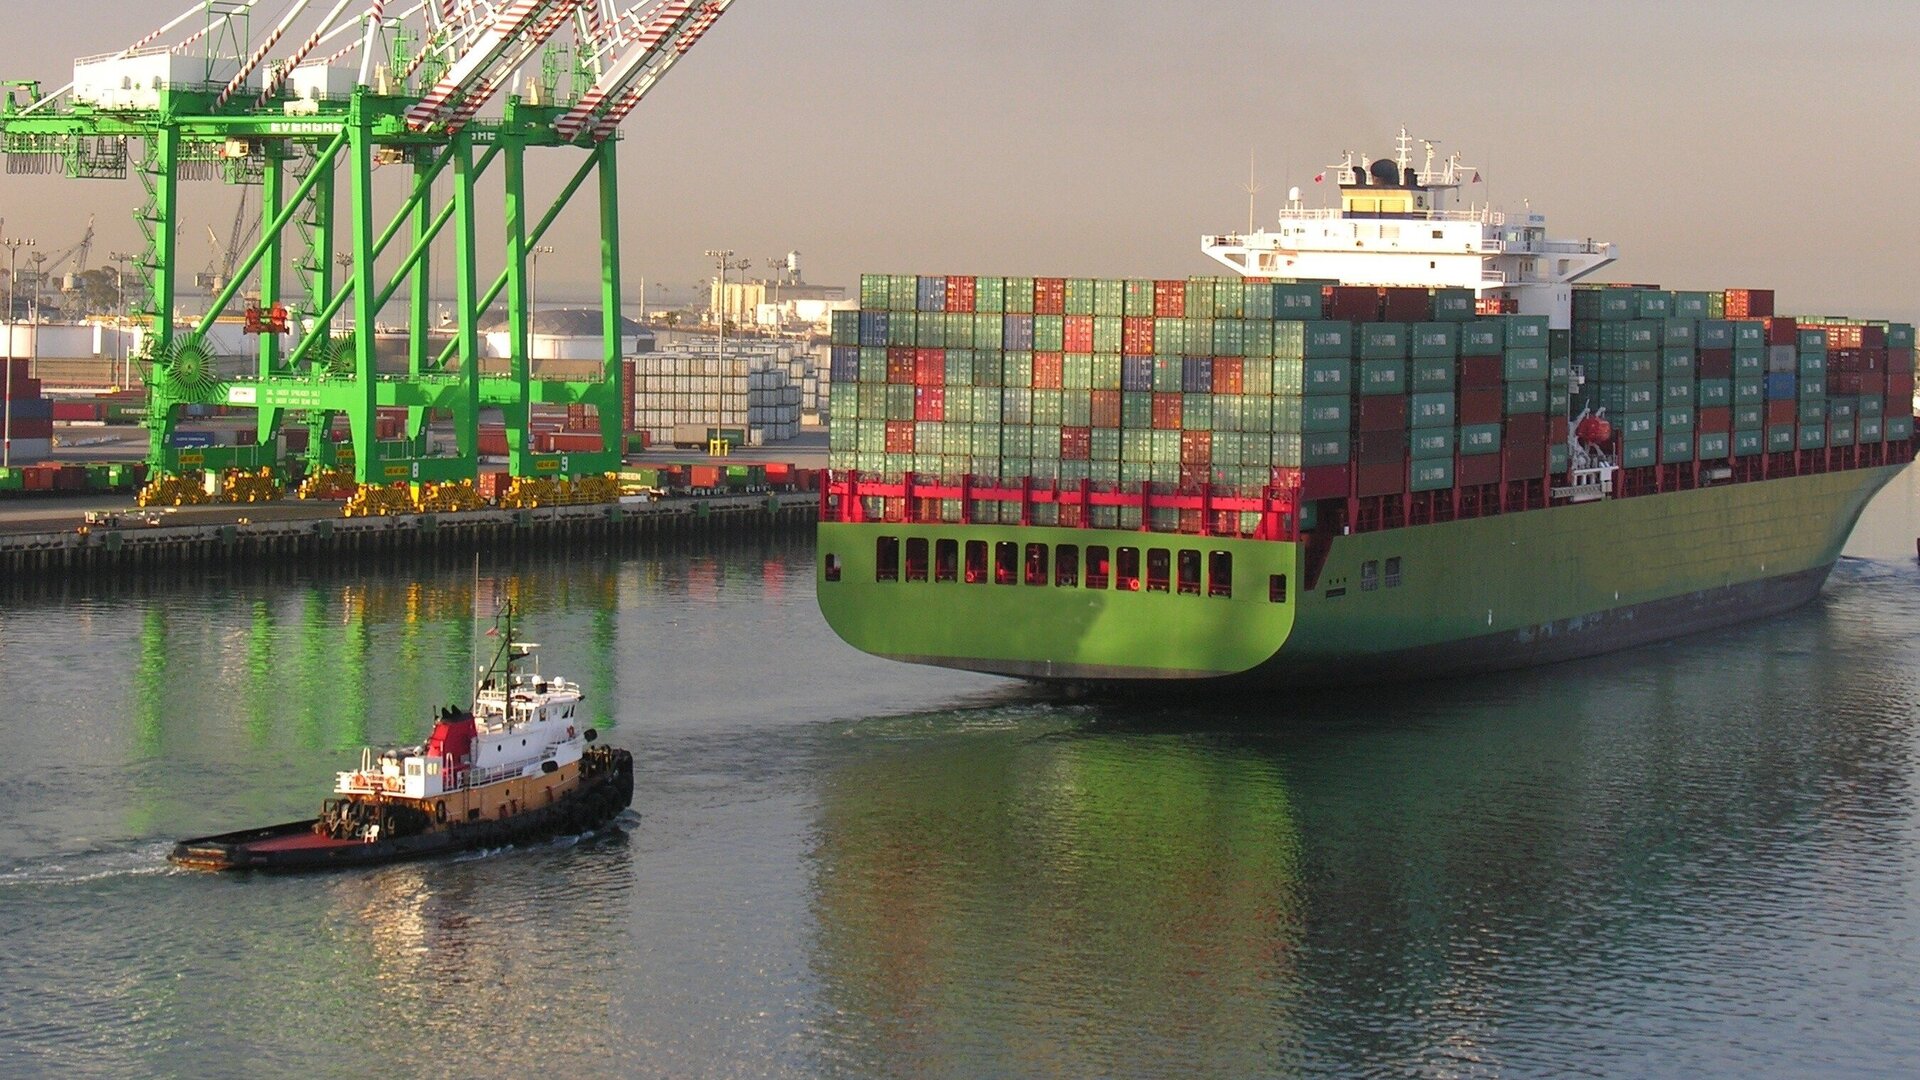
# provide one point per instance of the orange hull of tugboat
(573, 799)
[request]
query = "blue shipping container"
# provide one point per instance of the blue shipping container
(1136, 373)
(1017, 333)
(1196, 375)
(873, 328)
(846, 364)
(192, 440)
(933, 294)
(1782, 386)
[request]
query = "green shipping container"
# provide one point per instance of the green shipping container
(1872, 405)
(1714, 334)
(1433, 373)
(1677, 364)
(1625, 367)
(1639, 425)
(1383, 378)
(1483, 337)
(1748, 443)
(1692, 305)
(1477, 439)
(1525, 398)
(1525, 365)
(1677, 333)
(1431, 410)
(1749, 417)
(1898, 428)
(1639, 453)
(1871, 429)
(1326, 414)
(1383, 341)
(1813, 386)
(1525, 331)
(1715, 445)
(1431, 442)
(1651, 303)
(1431, 475)
(1839, 432)
(1312, 376)
(1676, 447)
(1453, 305)
(1326, 448)
(1713, 393)
(1624, 397)
(1750, 363)
(1435, 339)
(1602, 305)
(1813, 410)
(1316, 339)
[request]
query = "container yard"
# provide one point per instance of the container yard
(758, 391)
(26, 415)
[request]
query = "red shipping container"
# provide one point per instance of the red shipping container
(1166, 412)
(71, 411)
(1047, 370)
(1229, 375)
(1715, 364)
(960, 292)
(1103, 408)
(1196, 448)
(1376, 447)
(1899, 390)
(1529, 430)
(1386, 413)
(1079, 333)
(1169, 299)
(1524, 462)
(1783, 412)
(1354, 303)
(1136, 335)
(41, 428)
(493, 441)
(1874, 383)
(1900, 360)
(1782, 331)
(1325, 482)
(573, 442)
(900, 365)
(930, 403)
(1076, 443)
(899, 438)
(1402, 304)
(1385, 478)
(1715, 418)
(1749, 303)
(1050, 296)
(35, 478)
(1557, 429)
(703, 476)
(1843, 382)
(1474, 470)
(1481, 373)
(1482, 406)
(929, 367)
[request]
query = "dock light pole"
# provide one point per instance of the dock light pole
(13, 244)
(533, 293)
(724, 260)
(122, 260)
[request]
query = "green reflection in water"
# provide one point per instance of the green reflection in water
(1153, 878)
(150, 683)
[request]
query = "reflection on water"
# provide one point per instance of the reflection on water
(1699, 858)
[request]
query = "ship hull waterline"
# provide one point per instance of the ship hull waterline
(1495, 593)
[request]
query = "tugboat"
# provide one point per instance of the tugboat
(515, 767)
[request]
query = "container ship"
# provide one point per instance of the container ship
(1401, 440)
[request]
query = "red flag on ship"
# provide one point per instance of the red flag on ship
(1476, 176)
(1319, 177)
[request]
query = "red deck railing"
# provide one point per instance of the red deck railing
(843, 495)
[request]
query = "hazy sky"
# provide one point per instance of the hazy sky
(1767, 144)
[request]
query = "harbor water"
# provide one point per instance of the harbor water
(1693, 859)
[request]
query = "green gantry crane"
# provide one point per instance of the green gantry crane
(205, 98)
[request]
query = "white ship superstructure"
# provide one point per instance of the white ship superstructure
(1401, 225)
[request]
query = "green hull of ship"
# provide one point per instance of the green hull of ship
(1504, 591)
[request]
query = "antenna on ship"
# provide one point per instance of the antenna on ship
(1251, 189)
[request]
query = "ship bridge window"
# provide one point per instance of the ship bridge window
(946, 560)
(886, 559)
(1369, 575)
(413, 768)
(916, 558)
(1126, 570)
(833, 567)
(1393, 572)
(1439, 234)
(976, 562)
(1219, 573)
(1189, 568)
(1036, 564)
(1066, 565)
(1159, 562)
(1276, 588)
(1099, 569)
(1006, 563)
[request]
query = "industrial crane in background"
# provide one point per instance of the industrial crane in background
(450, 90)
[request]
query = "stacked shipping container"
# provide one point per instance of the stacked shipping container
(31, 414)
(756, 390)
(1223, 384)
(1713, 378)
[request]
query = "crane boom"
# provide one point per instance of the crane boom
(610, 119)
(472, 70)
(647, 45)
